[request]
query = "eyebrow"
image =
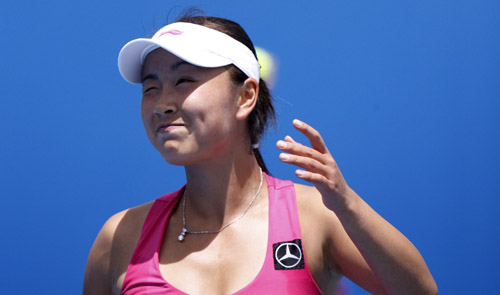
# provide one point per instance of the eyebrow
(176, 65)
(150, 76)
(173, 67)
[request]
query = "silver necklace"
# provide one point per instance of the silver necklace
(186, 231)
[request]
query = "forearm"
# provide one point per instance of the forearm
(394, 260)
(397, 265)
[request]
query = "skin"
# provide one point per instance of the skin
(197, 118)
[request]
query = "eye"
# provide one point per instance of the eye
(184, 80)
(149, 89)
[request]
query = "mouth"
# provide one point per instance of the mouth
(165, 128)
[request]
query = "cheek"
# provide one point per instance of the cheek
(221, 99)
(147, 106)
(146, 113)
(212, 107)
(212, 115)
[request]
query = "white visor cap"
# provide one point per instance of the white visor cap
(196, 44)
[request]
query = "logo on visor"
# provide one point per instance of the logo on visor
(173, 32)
(288, 255)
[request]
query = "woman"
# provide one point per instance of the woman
(233, 228)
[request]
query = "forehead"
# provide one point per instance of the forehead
(160, 59)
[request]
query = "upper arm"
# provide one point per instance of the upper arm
(112, 250)
(339, 251)
(343, 252)
(98, 273)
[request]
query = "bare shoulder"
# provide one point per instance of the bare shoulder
(305, 192)
(325, 224)
(313, 217)
(113, 248)
(310, 203)
(311, 207)
(128, 223)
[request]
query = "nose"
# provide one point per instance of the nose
(165, 110)
(165, 106)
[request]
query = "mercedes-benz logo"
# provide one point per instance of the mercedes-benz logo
(288, 255)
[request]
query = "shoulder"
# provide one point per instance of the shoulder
(311, 213)
(124, 226)
(309, 201)
(316, 217)
(321, 225)
(317, 222)
(128, 223)
(113, 248)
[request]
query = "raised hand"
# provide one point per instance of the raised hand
(318, 166)
(389, 263)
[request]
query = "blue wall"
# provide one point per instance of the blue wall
(405, 94)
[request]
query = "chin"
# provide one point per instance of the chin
(185, 155)
(172, 156)
(174, 160)
(185, 159)
(175, 157)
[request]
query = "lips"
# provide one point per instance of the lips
(165, 128)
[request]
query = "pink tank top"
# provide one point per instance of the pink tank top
(285, 270)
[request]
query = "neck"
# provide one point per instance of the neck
(218, 192)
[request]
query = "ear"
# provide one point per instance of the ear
(247, 99)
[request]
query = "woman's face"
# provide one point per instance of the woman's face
(188, 111)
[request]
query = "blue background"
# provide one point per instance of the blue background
(405, 93)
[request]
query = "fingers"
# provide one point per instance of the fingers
(289, 138)
(314, 178)
(307, 163)
(312, 134)
(296, 148)
(315, 161)
(316, 164)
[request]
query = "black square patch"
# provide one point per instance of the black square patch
(288, 255)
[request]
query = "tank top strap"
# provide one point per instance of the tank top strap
(283, 215)
(143, 269)
(156, 221)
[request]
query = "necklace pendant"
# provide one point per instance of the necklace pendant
(180, 238)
